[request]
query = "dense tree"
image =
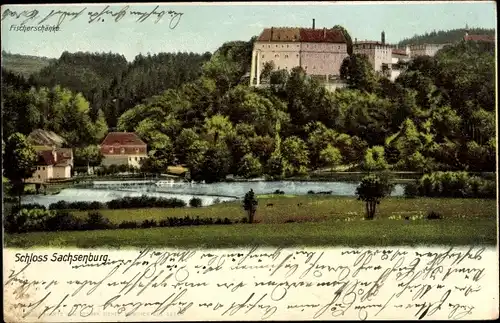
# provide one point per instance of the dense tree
(19, 162)
(295, 154)
(250, 205)
(88, 156)
(372, 190)
(357, 71)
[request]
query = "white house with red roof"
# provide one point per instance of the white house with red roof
(123, 148)
(52, 164)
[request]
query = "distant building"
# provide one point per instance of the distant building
(425, 49)
(399, 58)
(379, 53)
(486, 41)
(52, 164)
(319, 52)
(123, 148)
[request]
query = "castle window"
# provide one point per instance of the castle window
(276, 46)
(297, 55)
(262, 56)
(111, 150)
(277, 55)
(286, 56)
(287, 46)
(122, 150)
(137, 150)
(43, 168)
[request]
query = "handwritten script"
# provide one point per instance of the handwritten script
(251, 284)
(103, 15)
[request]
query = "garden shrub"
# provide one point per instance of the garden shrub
(195, 202)
(455, 184)
(145, 202)
(96, 221)
(64, 221)
(149, 224)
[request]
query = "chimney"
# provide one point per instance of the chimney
(382, 38)
(324, 33)
(54, 153)
(355, 40)
(314, 20)
(271, 38)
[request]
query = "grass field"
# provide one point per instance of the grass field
(318, 221)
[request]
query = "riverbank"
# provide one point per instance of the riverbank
(299, 220)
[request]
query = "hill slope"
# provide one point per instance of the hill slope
(445, 36)
(24, 65)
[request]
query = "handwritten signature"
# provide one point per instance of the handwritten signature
(104, 15)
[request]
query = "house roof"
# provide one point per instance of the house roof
(40, 137)
(371, 42)
(286, 34)
(122, 139)
(483, 38)
(63, 158)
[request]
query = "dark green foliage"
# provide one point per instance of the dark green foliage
(456, 184)
(372, 190)
(195, 202)
(445, 36)
(144, 202)
(250, 205)
(129, 225)
(96, 221)
(432, 215)
(80, 205)
(411, 189)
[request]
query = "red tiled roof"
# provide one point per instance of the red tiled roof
(46, 158)
(302, 35)
(322, 36)
(122, 139)
(483, 38)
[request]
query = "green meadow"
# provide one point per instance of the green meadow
(292, 221)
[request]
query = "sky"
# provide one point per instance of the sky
(202, 27)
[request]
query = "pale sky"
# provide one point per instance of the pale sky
(204, 26)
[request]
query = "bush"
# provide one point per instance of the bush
(59, 205)
(411, 189)
(311, 192)
(64, 221)
(456, 184)
(27, 220)
(29, 206)
(96, 221)
(434, 215)
(144, 202)
(279, 192)
(128, 225)
(149, 224)
(195, 202)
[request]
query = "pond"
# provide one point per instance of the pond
(228, 191)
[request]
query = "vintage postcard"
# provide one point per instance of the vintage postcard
(249, 161)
